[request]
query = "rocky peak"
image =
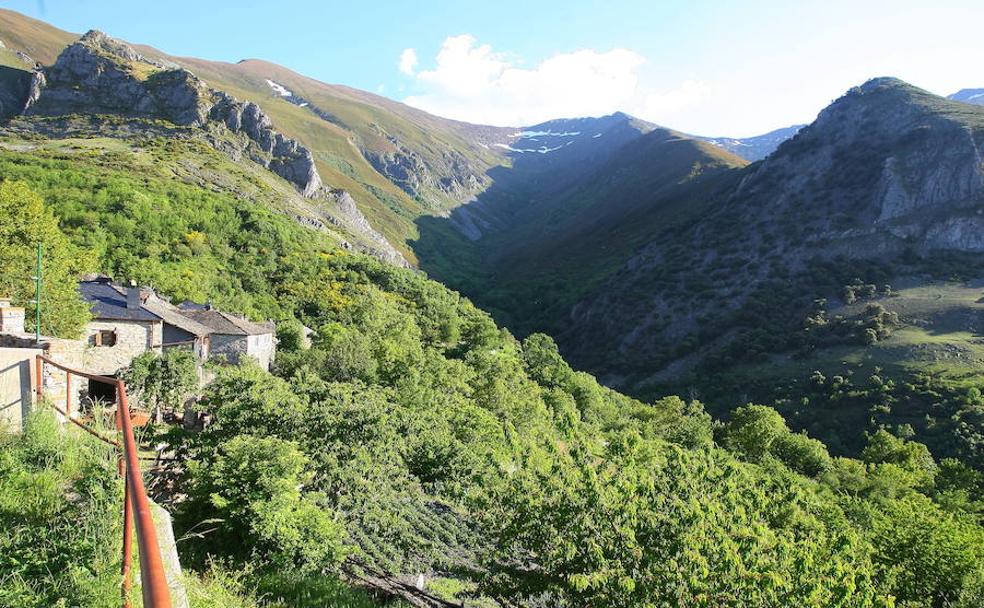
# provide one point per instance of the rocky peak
(100, 75)
(886, 156)
(98, 41)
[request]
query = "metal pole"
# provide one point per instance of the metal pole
(156, 593)
(37, 297)
(127, 513)
(127, 543)
(68, 394)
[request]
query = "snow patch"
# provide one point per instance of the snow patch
(279, 89)
(596, 136)
(526, 134)
(540, 150)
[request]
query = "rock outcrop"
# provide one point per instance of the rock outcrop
(886, 173)
(282, 155)
(454, 179)
(100, 75)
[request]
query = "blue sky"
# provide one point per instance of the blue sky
(706, 67)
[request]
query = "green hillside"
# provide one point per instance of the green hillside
(417, 447)
(559, 246)
(416, 437)
(351, 126)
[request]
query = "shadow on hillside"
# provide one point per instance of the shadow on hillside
(14, 87)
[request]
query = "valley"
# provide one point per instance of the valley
(593, 361)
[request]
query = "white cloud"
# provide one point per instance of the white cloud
(408, 61)
(669, 102)
(471, 81)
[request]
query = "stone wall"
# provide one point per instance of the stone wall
(16, 384)
(262, 349)
(133, 338)
(227, 346)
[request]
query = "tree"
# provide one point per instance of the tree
(646, 524)
(911, 456)
(163, 381)
(252, 490)
(753, 429)
(544, 363)
(25, 223)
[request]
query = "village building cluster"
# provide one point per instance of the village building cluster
(126, 322)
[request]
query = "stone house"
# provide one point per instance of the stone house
(126, 322)
(129, 321)
(121, 329)
(232, 336)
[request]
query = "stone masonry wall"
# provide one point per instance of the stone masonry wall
(133, 338)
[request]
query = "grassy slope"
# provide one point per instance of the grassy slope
(565, 246)
(36, 38)
(337, 149)
(929, 362)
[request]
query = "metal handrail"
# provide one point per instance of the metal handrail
(153, 580)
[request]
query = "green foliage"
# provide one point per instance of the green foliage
(252, 491)
(27, 222)
(912, 457)
(60, 500)
(163, 381)
(644, 525)
(416, 436)
(756, 432)
(186, 241)
(925, 555)
(753, 430)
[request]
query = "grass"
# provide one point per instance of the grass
(60, 531)
(60, 527)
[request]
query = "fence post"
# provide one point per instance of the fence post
(127, 543)
(156, 593)
(38, 363)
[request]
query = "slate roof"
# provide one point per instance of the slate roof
(106, 301)
(177, 318)
(225, 323)
(189, 305)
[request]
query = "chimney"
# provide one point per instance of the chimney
(11, 318)
(133, 296)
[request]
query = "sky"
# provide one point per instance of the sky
(716, 68)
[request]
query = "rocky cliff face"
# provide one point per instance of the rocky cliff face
(453, 178)
(884, 156)
(100, 75)
(886, 170)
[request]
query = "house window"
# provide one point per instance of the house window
(105, 337)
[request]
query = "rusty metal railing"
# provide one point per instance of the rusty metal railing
(153, 580)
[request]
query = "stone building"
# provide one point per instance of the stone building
(128, 321)
(121, 329)
(233, 336)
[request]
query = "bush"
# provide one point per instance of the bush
(252, 492)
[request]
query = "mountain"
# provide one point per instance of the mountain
(756, 147)
(887, 170)
(412, 445)
(393, 163)
(575, 203)
(974, 96)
